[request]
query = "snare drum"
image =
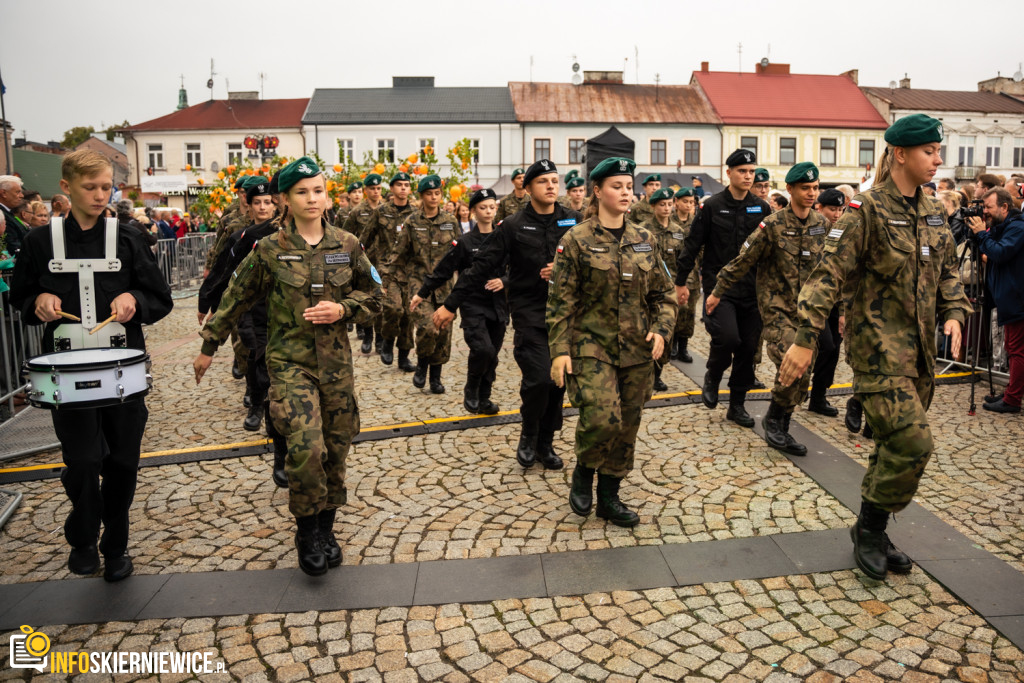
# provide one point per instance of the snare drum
(87, 378)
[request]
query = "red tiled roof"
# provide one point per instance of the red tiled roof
(948, 100)
(798, 100)
(230, 115)
(610, 103)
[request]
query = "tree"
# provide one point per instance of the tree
(111, 132)
(76, 136)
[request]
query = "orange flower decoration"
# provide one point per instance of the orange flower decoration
(201, 181)
(188, 167)
(421, 170)
(404, 168)
(379, 168)
(428, 150)
(465, 165)
(413, 158)
(337, 168)
(220, 175)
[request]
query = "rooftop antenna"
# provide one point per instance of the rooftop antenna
(209, 83)
(531, 68)
(1019, 75)
(739, 50)
(576, 77)
(263, 77)
(636, 63)
(657, 81)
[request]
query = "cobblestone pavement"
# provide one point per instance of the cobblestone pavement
(819, 628)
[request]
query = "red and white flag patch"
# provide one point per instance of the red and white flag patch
(454, 242)
(560, 248)
(761, 225)
(855, 203)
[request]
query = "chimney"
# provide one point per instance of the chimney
(412, 81)
(704, 67)
(244, 95)
(905, 82)
(772, 69)
(853, 75)
(602, 77)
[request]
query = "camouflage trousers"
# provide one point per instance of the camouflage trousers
(318, 422)
(396, 321)
(778, 340)
(687, 315)
(432, 345)
(241, 352)
(610, 400)
(895, 410)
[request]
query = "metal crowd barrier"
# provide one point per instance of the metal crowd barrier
(182, 260)
(18, 342)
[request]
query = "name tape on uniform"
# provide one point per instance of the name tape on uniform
(289, 257)
(337, 259)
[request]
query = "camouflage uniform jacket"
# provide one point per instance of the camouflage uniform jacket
(901, 263)
(681, 227)
(605, 296)
(293, 276)
(239, 222)
(641, 212)
(359, 219)
(422, 243)
(784, 252)
(509, 205)
(226, 218)
(381, 234)
(341, 215)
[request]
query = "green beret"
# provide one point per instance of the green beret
(240, 181)
(660, 195)
(517, 172)
(399, 177)
(804, 172)
(428, 182)
(300, 169)
(916, 129)
(654, 177)
(574, 182)
(352, 187)
(613, 166)
(760, 175)
(570, 175)
(253, 180)
(372, 180)
(684, 192)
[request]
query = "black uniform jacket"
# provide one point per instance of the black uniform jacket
(720, 228)
(237, 247)
(479, 302)
(139, 275)
(524, 242)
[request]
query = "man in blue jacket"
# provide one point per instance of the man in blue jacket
(1002, 245)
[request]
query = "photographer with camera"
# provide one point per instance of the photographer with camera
(1002, 247)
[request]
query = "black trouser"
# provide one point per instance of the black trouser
(735, 329)
(829, 344)
(542, 399)
(99, 442)
(257, 377)
(484, 338)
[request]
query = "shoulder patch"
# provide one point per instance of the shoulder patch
(374, 274)
(855, 203)
(455, 243)
(560, 249)
(761, 225)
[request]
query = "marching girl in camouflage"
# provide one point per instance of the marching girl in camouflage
(660, 225)
(894, 251)
(682, 219)
(610, 312)
(315, 278)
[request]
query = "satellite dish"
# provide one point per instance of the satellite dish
(209, 84)
(892, 85)
(764, 62)
(575, 67)
(1018, 76)
(577, 79)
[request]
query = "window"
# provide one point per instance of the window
(576, 150)
(828, 151)
(691, 152)
(346, 150)
(866, 153)
(749, 143)
(943, 148)
(992, 148)
(386, 150)
(155, 153)
(541, 148)
(966, 154)
(787, 151)
(658, 151)
(234, 153)
(1018, 152)
(474, 144)
(427, 142)
(194, 154)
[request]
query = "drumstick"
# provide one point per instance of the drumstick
(102, 324)
(68, 316)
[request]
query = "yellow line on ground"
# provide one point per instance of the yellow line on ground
(437, 420)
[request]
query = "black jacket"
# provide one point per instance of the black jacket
(1004, 247)
(16, 232)
(523, 243)
(236, 248)
(139, 275)
(720, 228)
(480, 302)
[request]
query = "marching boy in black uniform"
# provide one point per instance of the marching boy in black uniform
(94, 441)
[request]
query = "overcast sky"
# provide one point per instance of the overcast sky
(68, 63)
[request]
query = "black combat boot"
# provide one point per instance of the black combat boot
(254, 419)
(325, 524)
(581, 495)
(896, 561)
(359, 330)
(236, 372)
(793, 447)
(854, 415)
(435, 380)
(378, 346)
(526, 452)
(608, 504)
(487, 406)
(673, 351)
(471, 394)
(367, 346)
(312, 559)
(404, 364)
(419, 379)
(658, 384)
(280, 476)
(247, 399)
(709, 392)
(84, 561)
(546, 455)
(819, 404)
(870, 540)
(773, 425)
(684, 353)
(737, 413)
(387, 351)
(117, 568)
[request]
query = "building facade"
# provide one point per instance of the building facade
(114, 150)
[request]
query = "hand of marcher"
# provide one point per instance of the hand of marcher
(123, 307)
(952, 330)
(442, 318)
(201, 365)
(711, 303)
(682, 294)
(47, 307)
(976, 224)
(202, 317)
(415, 302)
(324, 313)
(842, 325)
(659, 345)
(545, 272)
(560, 367)
(495, 285)
(794, 364)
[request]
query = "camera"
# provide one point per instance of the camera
(975, 208)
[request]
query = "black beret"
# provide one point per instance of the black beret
(741, 157)
(256, 189)
(273, 184)
(537, 169)
(481, 195)
(832, 197)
